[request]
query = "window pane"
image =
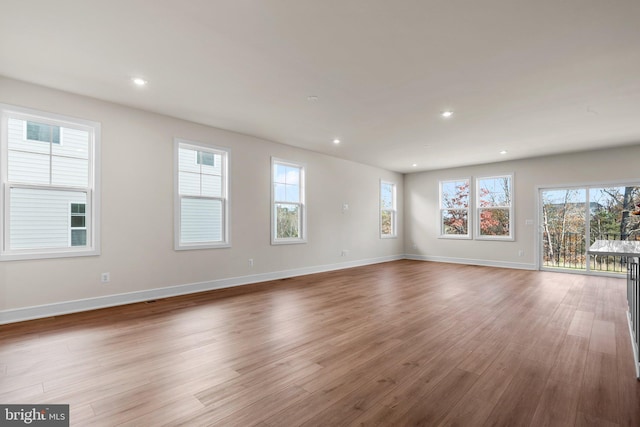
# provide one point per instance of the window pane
(75, 144)
(211, 186)
(78, 237)
(188, 160)
(287, 221)
(201, 220)
(280, 192)
(494, 222)
(43, 132)
(292, 193)
(280, 174)
(614, 213)
(40, 217)
(287, 193)
(78, 208)
(293, 175)
(455, 222)
(189, 183)
(455, 194)
(17, 138)
(206, 158)
(387, 223)
(69, 172)
(289, 175)
(386, 196)
(214, 167)
(28, 168)
(77, 221)
(494, 192)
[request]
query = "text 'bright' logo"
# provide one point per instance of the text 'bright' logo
(26, 416)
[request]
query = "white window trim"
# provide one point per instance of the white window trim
(302, 204)
(93, 189)
(476, 215)
(225, 199)
(470, 220)
(394, 210)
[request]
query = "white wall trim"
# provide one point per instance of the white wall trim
(468, 261)
(67, 307)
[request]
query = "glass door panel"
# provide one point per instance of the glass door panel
(614, 215)
(564, 228)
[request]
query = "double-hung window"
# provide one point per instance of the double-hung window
(454, 209)
(288, 223)
(50, 187)
(388, 210)
(494, 208)
(202, 200)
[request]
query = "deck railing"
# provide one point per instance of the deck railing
(570, 252)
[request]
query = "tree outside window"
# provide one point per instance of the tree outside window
(387, 209)
(288, 202)
(454, 208)
(494, 207)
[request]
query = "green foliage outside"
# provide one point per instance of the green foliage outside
(387, 223)
(287, 221)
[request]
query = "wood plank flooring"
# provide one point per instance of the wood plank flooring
(400, 343)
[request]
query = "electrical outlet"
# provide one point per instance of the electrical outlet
(521, 252)
(345, 252)
(251, 262)
(105, 277)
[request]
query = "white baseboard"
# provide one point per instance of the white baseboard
(67, 307)
(468, 261)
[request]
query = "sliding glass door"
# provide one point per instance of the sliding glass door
(571, 219)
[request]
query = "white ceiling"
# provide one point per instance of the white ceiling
(529, 76)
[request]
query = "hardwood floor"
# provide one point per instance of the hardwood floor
(400, 343)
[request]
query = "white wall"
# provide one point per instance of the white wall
(137, 214)
(422, 210)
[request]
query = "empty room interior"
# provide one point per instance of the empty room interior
(320, 213)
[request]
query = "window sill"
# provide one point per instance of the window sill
(24, 256)
(455, 237)
(202, 246)
(288, 242)
(496, 238)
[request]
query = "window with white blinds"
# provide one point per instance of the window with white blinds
(202, 202)
(48, 170)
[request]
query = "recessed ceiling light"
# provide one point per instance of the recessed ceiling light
(312, 98)
(336, 141)
(415, 165)
(138, 81)
(447, 113)
(503, 152)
